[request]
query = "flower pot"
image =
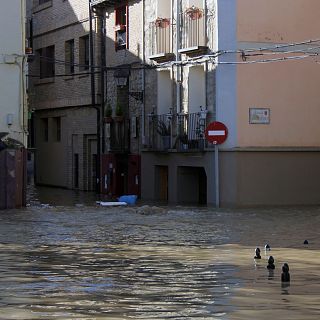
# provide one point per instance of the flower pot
(108, 119)
(162, 23)
(194, 13)
(118, 118)
(166, 142)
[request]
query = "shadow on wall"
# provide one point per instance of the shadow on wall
(60, 77)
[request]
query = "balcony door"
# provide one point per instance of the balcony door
(123, 98)
(164, 85)
(196, 89)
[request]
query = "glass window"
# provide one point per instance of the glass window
(121, 15)
(69, 57)
(47, 63)
(57, 128)
(84, 56)
(45, 126)
(121, 27)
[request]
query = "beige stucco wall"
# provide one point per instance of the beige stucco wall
(278, 21)
(291, 91)
(289, 88)
(269, 178)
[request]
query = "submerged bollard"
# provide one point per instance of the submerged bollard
(267, 247)
(257, 252)
(271, 265)
(285, 275)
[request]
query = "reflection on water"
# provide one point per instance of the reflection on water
(87, 262)
(41, 195)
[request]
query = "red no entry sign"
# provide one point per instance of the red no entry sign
(216, 132)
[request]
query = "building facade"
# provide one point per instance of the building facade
(253, 66)
(64, 117)
(265, 97)
(177, 156)
(163, 70)
(13, 111)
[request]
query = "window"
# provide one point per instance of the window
(47, 63)
(69, 57)
(164, 88)
(76, 170)
(45, 126)
(121, 28)
(84, 53)
(57, 128)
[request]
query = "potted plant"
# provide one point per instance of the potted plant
(108, 114)
(162, 22)
(194, 13)
(119, 112)
(165, 133)
(183, 138)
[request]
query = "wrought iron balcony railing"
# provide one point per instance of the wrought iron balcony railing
(161, 39)
(179, 132)
(193, 30)
(119, 135)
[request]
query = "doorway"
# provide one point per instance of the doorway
(192, 185)
(161, 183)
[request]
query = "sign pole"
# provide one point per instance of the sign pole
(216, 174)
(216, 133)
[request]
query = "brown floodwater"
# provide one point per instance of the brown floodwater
(64, 258)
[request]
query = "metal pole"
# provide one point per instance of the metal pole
(93, 101)
(102, 73)
(216, 174)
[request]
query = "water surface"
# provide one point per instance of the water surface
(76, 260)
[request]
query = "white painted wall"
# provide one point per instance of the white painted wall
(196, 88)
(164, 92)
(196, 3)
(163, 8)
(12, 70)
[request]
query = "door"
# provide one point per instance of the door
(162, 183)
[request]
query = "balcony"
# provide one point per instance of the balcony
(194, 32)
(104, 3)
(177, 132)
(161, 42)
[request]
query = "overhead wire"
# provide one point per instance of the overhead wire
(213, 57)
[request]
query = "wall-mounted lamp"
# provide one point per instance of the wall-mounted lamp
(9, 119)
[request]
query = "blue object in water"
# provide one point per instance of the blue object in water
(129, 199)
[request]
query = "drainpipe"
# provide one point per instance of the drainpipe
(143, 128)
(102, 71)
(178, 76)
(22, 66)
(206, 67)
(93, 102)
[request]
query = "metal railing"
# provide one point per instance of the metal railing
(160, 36)
(193, 30)
(179, 132)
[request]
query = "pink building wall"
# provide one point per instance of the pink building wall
(289, 88)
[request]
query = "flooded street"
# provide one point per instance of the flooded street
(75, 260)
